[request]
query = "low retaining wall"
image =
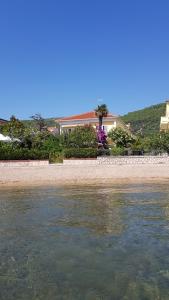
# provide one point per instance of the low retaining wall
(119, 160)
(132, 160)
(108, 160)
(80, 162)
(23, 163)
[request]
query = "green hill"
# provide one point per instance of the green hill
(50, 122)
(146, 120)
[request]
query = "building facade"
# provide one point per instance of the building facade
(2, 121)
(67, 124)
(164, 123)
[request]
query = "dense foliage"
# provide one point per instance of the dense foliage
(153, 144)
(145, 121)
(116, 151)
(103, 152)
(10, 151)
(39, 122)
(80, 137)
(80, 153)
(121, 138)
(14, 128)
(36, 142)
(126, 144)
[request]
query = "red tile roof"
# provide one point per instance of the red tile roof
(88, 115)
(2, 121)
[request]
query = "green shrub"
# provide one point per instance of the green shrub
(121, 138)
(80, 153)
(56, 157)
(103, 152)
(80, 137)
(117, 151)
(9, 153)
(52, 144)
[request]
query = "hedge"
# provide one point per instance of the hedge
(85, 152)
(103, 152)
(56, 157)
(80, 153)
(116, 151)
(22, 154)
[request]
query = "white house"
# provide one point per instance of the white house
(67, 124)
(164, 123)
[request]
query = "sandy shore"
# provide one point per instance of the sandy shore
(63, 175)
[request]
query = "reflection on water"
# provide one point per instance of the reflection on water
(85, 243)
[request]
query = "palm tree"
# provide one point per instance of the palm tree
(101, 111)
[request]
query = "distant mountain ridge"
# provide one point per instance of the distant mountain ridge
(145, 120)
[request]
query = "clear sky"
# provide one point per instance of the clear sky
(62, 57)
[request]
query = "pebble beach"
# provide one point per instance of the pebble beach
(79, 175)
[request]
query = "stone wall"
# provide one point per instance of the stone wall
(108, 160)
(119, 160)
(132, 160)
(23, 163)
(80, 162)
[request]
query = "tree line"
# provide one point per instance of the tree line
(35, 141)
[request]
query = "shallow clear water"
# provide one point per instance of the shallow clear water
(85, 243)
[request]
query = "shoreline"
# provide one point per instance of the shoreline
(62, 175)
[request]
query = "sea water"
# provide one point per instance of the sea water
(92, 242)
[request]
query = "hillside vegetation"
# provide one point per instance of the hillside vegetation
(50, 122)
(147, 120)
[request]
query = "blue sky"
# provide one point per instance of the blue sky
(65, 57)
